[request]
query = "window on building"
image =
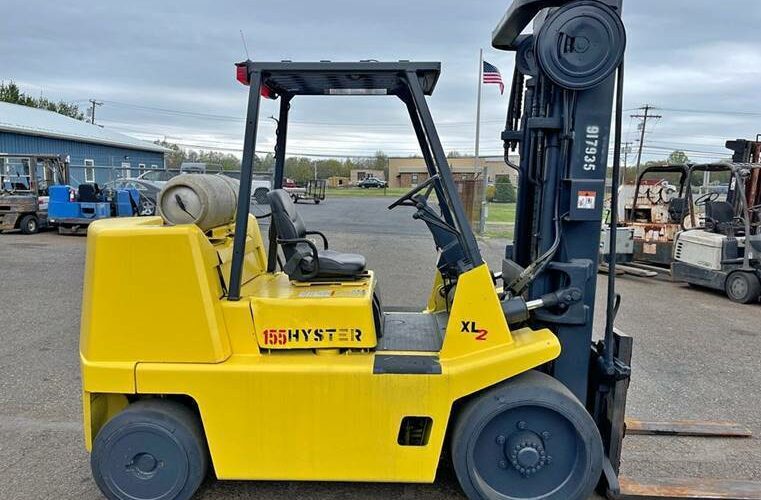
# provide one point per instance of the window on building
(126, 169)
(89, 171)
(154, 166)
(141, 167)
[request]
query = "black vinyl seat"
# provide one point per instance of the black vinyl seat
(304, 262)
(720, 217)
(88, 193)
(678, 208)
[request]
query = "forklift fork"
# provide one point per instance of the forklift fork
(616, 487)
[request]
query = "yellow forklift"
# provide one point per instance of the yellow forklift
(275, 359)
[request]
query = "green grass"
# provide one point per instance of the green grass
(499, 223)
(354, 192)
(501, 213)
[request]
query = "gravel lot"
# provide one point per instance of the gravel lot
(696, 357)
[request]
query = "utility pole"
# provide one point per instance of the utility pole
(627, 148)
(477, 162)
(94, 103)
(644, 116)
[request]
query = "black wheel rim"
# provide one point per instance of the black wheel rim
(738, 287)
(527, 452)
(144, 461)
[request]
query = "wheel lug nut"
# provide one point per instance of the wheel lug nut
(502, 464)
(522, 425)
(546, 435)
(500, 439)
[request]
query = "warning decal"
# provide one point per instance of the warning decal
(586, 200)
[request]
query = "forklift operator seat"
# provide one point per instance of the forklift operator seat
(88, 193)
(719, 217)
(678, 208)
(304, 262)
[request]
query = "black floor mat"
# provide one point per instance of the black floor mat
(405, 331)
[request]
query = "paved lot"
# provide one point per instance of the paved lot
(696, 356)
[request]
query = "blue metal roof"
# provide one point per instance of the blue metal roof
(32, 121)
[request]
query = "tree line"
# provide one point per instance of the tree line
(10, 92)
(298, 168)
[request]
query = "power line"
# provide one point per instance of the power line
(195, 114)
(711, 112)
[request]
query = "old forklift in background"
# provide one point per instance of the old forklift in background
(285, 365)
(724, 253)
(658, 209)
(25, 181)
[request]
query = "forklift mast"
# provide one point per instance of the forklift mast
(568, 75)
(747, 152)
(560, 120)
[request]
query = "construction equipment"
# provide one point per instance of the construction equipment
(291, 368)
(725, 254)
(72, 210)
(24, 184)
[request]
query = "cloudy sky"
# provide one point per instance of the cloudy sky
(164, 69)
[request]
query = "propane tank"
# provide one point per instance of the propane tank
(204, 200)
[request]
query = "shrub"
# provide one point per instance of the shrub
(490, 192)
(504, 192)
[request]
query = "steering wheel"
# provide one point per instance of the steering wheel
(706, 198)
(407, 198)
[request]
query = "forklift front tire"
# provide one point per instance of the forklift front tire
(29, 224)
(528, 437)
(153, 449)
(743, 287)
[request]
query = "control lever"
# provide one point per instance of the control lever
(517, 309)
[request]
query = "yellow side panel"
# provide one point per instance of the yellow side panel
(476, 322)
(299, 416)
(290, 315)
(529, 349)
(169, 276)
(107, 376)
(240, 325)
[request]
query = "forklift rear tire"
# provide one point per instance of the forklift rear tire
(29, 224)
(153, 449)
(528, 437)
(743, 287)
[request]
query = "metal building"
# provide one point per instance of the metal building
(95, 154)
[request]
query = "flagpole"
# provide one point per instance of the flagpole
(476, 159)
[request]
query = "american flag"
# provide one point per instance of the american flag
(491, 75)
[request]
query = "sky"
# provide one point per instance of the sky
(164, 69)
